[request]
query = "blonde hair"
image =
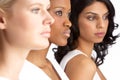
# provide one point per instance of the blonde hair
(6, 4)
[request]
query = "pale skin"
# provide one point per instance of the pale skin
(93, 24)
(20, 34)
(59, 10)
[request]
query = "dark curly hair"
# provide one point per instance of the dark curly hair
(101, 48)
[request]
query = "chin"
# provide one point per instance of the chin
(59, 42)
(99, 41)
(43, 45)
(63, 43)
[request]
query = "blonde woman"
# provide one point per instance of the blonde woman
(24, 26)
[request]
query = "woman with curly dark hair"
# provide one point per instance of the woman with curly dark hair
(92, 30)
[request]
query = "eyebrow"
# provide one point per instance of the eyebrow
(106, 13)
(35, 4)
(91, 13)
(40, 4)
(62, 8)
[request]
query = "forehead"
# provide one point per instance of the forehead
(30, 2)
(97, 7)
(60, 3)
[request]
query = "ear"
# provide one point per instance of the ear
(2, 19)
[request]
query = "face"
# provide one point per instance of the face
(29, 24)
(93, 22)
(60, 10)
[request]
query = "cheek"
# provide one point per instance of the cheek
(84, 26)
(107, 23)
(32, 24)
(20, 22)
(30, 20)
(56, 27)
(54, 31)
(86, 29)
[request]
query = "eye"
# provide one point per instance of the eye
(91, 18)
(59, 13)
(105, 17)
(35, 10)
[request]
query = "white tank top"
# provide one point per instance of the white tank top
(72, 54)
(3, 78)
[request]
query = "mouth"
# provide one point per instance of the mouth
(100, 34)
(46, 34)
(67, 33)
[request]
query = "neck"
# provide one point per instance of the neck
(86, 47)
(11, 62)
(12, 58)
(38, 57)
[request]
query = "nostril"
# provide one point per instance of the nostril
(69, 24)
(1, 20)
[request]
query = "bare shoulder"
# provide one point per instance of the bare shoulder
(80, 67)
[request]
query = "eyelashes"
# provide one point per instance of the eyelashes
(61, 13)
(36, 10)
(91, 18)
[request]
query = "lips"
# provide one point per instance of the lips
(100, 34)
(67, 33)
(46, 34)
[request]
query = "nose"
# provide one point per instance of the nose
(48, 19)
(101, 23)
(67, 22)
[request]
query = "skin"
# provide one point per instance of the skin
(60, 28)
(101, 74)
(20, 34)
(93, 24)
(60, 32)
(31, 23)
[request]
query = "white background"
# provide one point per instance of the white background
(111, 65)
